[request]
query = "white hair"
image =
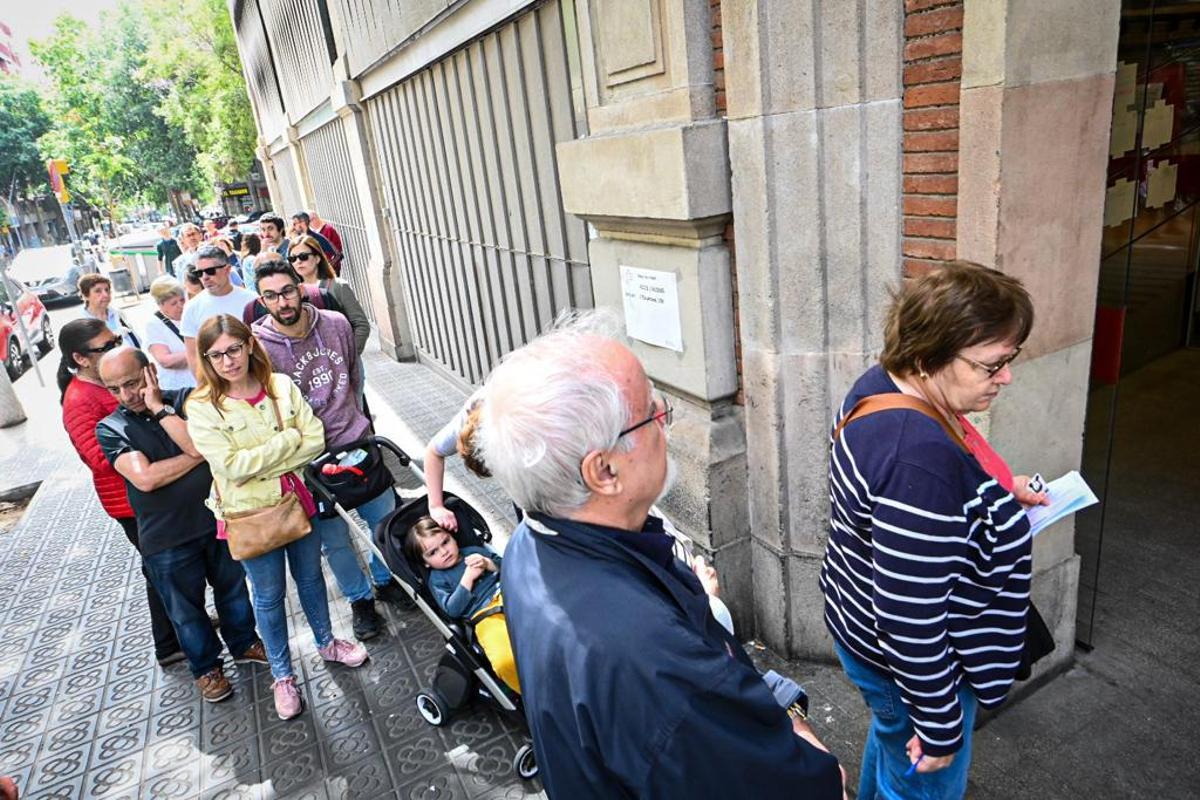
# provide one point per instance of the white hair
(545, 407)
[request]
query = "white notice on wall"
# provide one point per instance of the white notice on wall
(651, 299)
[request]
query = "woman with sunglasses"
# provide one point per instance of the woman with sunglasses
(928, 561)
(310, 262)
(85, 401)
(258, 433)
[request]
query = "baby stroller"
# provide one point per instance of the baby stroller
(463, 672)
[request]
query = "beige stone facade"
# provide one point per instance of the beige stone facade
(498, 161)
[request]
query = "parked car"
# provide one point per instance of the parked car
(16, 298)
(50, 272)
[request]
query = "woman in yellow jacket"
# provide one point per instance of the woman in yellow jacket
(254, 461)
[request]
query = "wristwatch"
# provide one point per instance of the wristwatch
(796, 711)
(165, 411)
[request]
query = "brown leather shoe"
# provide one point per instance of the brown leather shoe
(255, 654)
(214, 686)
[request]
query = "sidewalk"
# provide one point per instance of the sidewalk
(85, 711)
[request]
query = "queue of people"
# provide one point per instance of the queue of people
(631, 684)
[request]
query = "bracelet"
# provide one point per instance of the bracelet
(796, 711)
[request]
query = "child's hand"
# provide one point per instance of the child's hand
(707, 576)
(480, 560)
(473, 571)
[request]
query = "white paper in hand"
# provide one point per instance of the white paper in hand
(1068, 494)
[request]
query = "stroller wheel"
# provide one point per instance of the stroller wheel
(525, 763)
(432, 707)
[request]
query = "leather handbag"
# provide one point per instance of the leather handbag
(1039, 641)
(259, 531)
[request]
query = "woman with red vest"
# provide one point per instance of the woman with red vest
(85, 402)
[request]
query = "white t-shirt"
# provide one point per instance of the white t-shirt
(204, 305)
(157, 332)
(445, 441)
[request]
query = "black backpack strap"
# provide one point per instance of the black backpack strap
(170, 323)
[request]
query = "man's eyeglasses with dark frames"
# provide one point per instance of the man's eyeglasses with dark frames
(667, 415)
(209, 271)
(992, 369)
(287, 292)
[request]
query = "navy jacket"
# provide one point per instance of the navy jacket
(632, 688)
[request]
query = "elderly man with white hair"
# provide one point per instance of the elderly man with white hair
(631, 687)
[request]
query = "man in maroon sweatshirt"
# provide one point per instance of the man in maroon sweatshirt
(315, 347)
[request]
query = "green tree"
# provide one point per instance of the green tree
(22, 122)
(105, 114)
(194, 59)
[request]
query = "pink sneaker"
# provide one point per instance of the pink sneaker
(343, 652)
(287, 698)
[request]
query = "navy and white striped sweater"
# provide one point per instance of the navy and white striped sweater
(926, 572)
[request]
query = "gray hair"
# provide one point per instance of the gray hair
(548, 405)
(210, 252)
(164, 287)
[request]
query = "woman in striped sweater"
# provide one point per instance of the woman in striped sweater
(927, 567)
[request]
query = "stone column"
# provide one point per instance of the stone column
(814, 115)
(1036, 105)
(652, 178)
(395, 337)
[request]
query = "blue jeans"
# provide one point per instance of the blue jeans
(179, 574)
(342, 557)
(884, 758)
(268, 584)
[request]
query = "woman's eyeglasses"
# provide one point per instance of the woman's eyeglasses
(992, 369)
(233, 353)
(662, 410)
(112, 344)
(301, 257)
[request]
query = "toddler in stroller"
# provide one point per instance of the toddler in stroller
(466, 584)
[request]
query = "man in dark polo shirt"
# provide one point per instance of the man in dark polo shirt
(168, 482)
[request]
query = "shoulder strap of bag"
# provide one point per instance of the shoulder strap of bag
(170, 323)
(897, 400)
(278, 421)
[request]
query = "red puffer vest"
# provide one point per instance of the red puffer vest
(84, 405)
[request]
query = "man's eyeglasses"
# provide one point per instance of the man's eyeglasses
(287, 292)
(662, 410)
(209, 271)
(233, 353)
(992, 369)
(113, 344)
(301, 257)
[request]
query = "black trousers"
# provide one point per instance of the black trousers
(165, 640)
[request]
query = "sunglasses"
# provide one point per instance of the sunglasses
(300, 257)
(209, 271)
(112, 345)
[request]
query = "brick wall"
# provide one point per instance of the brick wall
(932, 77)
(718, 44)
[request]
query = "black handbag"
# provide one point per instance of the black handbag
(1039, 642)
(349, 486)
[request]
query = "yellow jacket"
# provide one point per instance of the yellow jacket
(246, 450)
